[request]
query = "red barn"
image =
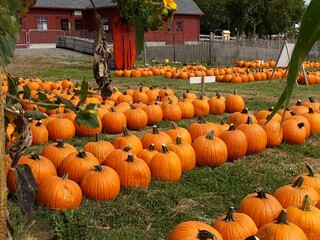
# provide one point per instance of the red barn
(51, 18)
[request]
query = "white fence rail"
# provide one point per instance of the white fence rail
(36, 36)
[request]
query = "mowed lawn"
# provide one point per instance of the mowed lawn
(203, 194)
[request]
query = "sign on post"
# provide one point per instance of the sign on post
(202, 80)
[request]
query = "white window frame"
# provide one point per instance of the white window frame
(42, 23)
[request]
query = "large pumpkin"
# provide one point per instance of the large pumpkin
(113, 121)
(156, 137)
(136, 118)
(59, 193)
(60, 128)
(202, 127)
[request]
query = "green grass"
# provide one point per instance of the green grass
(203, 194)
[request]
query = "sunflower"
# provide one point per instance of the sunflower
(170, 4)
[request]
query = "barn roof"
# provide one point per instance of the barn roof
(184, 6)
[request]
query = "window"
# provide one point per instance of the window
(179, 27)
(65, 24)
(42, 23)
(105, 23)
(170, 26)
(78, 24)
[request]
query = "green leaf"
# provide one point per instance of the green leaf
(309, 33)
(13, 89)
(91, 106)
(26, 92)
(139, 33)
(83, 92)
(26, 189)
(87, 119)
(66, 102)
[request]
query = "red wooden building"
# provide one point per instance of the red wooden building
(51, 18)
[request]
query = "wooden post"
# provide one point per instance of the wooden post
(202, 86)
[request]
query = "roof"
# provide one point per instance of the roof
(184, 6)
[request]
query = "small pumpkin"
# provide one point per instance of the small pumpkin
(234, 103)
(202, 127)
(61, 128)
(113, 121)
(40, 135)
(147, 153)
(311, 179)
(156, 137)
(136, 118)
(128, 140)
(179, 131)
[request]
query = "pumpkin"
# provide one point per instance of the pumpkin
(59, 193)
(314, 120)
(194, 230)
(311, 103)
(306, 217)
(171, 111)
(57, 151)
(147, 153)
(261, 207)
(40, 135)
(234, 103)
(281, 229)
(201, 107)
(128, 140)
(154, 113)
(187, 109)
(217, 104)
(311, 179)
(100, 149)
(140, 95)
(100, 183)
(238, 118)
(136, 118)
(210, 150)
(40, 166)
(181, 131)
(264, 114)
(256, 136)
(185, 152)
(299, 108)
(236, 142)
(156, 137)
(133, 172)
(273, 130)
(294, 132)
(86, 131)
(166, 165)
(60, 128)
(116, 156)
(202, 127)
(292, 194)
(237, 226)
(113, 121)
(77, 164)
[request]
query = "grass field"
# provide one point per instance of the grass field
(203, 194)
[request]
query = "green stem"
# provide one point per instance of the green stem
(98, 168)
(298, 182)
(282, 218)
(82, 154)
(130, 158)
(229, 217)
(164, 148)
(35, 156)
(210, 135)
(155, 129)
(310, 170)
(306, 203)
(178, 140)
(60, 143)
(205, 234)
(125, 131)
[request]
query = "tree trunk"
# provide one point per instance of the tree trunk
(3, 181)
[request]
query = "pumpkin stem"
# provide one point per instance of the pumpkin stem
(98, 168)
(155, 129)
(229, 217)
(311, 110)
(174, 125)
(112, 109)
(82, 154)
(231, 127)
(310, 170)
(249, 120)
(65, 176)
(151, 147)
(60, 143)
(127, 148)
(271, 109)
(298, 182)
(201, 120)
(132, 106)
(306, 203)
(34, 156)
(245, 110)
(301, 124)
(97, 137)
(210, 135)
(125, 131)
(205, 234)
(178, 140)
(282, 218)
(38, 124)
(299, 103)
(164, 148)
(292, 113)
(311, 99)
(130, 158)
(261, 194)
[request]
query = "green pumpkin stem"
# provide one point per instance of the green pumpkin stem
(205, 234)
(125, 131)
(60, 143)
(201, 120)
(130, 158)
(298, 182)
(310, 170)
(65, 176)
(178, 140)
(210, 135)
(174, 125)
(155, 129)
(229, 217)
(98, 168)
(82, 154)
(164, 148)
(306, 203)
(127, 148)
(282, 218)
(34, 156)
(97, 137)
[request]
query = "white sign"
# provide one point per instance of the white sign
(207, 79)
(285, 55)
